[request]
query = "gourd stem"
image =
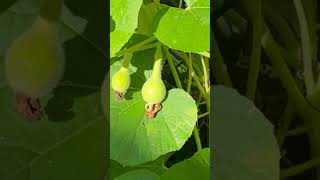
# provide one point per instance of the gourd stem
(156, 73)
(126, 60)
(205, 65)
(306, 49)
(196, 78)
(203, 115)
(173, 68)
(137, 46)
(51, 9)
(180, 3)
(197, 137)
(190, 73)
(298, 169)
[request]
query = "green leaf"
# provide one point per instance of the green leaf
(186, 29)
(243, 140)
(135, 140)
(197, 167)
(157, 166)
(138, 174)
(82, 152)
(124, 21)
(18, 18)
(146, 16)
(56, 146)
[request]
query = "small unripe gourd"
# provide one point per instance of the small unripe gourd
(35, 61)
(120, 81)
(153, 90)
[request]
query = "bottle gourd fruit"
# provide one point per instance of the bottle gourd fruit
(121, 79)
(154, 90)
(34, 62)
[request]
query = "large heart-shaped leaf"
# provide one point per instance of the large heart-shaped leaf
(18, 18)
(135, 140)
(186, 29)
(141, 174)
(197, 167)
(124, 14)
(250, 151)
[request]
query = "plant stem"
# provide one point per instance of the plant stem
(173, 68)
(197, 137)
(190, 73)
(309, 115)
(126, 60)
(220, 72)
(137, 46)
(201, 103)
(185, 57)
(51, 9)
(306, 49)
(297, 131)
(254, 66)
(180, 3)
(178, 83)
(199, 99)
(286, 120)
(299, 168)
(157, 67)
(205, 66)
(195, 130)
(203, 115)
(286, 78)
(202, 91)
(198, 71)
(197, 81)
(148, 46)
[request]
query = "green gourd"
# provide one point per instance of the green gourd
(35, 60)
(121, 79)
(153, 90)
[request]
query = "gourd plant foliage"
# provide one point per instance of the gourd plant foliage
(278, 64)
(69, 139)
(159, 94)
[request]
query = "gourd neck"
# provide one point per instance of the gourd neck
(51, 9)
(157, 67)
(126, 61)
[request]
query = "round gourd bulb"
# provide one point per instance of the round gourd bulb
(153, 91)
(121, 80)
(35, 61)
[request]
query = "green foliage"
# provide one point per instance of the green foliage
(197, 167)
(143, 138)
(124, 14)
(251, 150)
(177, 27)
(138, 174)
(147, 140)
(70, 140)
(282, 81)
